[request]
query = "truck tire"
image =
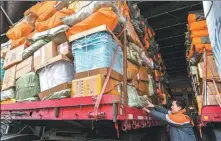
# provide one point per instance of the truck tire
(217, 134)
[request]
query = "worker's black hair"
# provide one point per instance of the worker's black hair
(181, 103)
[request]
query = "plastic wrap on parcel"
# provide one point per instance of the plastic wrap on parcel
(133, 54)
(195, 16)
(60, 94)
(49, 33)
(96, 51)
(109, 18)
(20, 30)
(55, 74)
(78, 5)
(27, 86)
(7, 94)
(53, 21)
(32, 48)
(85, 12)
(201, 40)
(151, 85)
(134, 100)
(147, 61)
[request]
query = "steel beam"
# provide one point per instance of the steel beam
(177, 67)
(171, 46)
(171, 37)
(173, 52)
(6, 15)
(169, 72)
(180, 57)
(178, 9)
(171, 26)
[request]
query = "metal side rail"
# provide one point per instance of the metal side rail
(79, 108)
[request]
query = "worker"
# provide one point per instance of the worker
(180, 125)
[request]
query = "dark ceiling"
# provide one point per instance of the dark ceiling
(169, 19)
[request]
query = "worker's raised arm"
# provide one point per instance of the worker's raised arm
(161, 109)
(167, 119)
(157, 108)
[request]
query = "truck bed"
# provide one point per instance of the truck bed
(79, 108)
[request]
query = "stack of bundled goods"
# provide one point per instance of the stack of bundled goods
(67, 49)
(201, 63)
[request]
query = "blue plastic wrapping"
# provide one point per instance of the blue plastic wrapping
(2, 70)
(96, 51)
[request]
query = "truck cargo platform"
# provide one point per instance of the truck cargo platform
(78, 108)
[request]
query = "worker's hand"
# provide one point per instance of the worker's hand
(145, 109)
(149, 104)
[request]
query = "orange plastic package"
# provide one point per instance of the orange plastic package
(193, 17)
(20, 30)
(102, 16)
(200, 47)
(43, 10)
(199, 33)
(34, 9)
(53, 21)
(199, 25)
(18, 42)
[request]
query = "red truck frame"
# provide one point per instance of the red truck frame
(80, 108)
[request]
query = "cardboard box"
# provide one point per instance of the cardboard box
(211, 89)
(44, 54)
(13, 57)
(143, 74)
(157, 75)
(24, 67)
(53, 90)
(60, 38)
(92, 86)
(55, 59)
(65, 49)
(132, 71)
(104, 71)
(9, 78)
(141, 86)
(211, 64)
(164, 101)
(211, 100)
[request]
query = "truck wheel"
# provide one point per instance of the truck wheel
(216, 134)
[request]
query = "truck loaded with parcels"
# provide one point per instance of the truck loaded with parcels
(78, 70)
(203, 56)
(83, 70)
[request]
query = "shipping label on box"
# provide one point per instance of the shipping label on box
(9, 78)
(24, 67)
(44, 54)
(91, 86)
(13, 57)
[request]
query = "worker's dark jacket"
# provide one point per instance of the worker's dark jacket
(181, 126)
